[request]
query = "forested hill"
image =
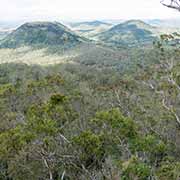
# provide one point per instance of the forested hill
(134, 32)
(41, 33)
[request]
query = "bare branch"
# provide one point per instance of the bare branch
(174, 4)
(171, 111)
(62, 177)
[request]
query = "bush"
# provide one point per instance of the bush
(90, 147)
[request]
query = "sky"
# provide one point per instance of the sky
(69, 10)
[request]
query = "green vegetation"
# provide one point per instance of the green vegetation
(41, 33)
(130, 33)
(95, 113)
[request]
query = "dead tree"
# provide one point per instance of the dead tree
(174, 4)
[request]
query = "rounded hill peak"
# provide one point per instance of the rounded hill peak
(41, 33)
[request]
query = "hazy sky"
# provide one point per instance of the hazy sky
(83, 9)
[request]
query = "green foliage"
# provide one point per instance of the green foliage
(116, 123)
(91, 148)
(169, 170)
(54, 79)
(7, 89)
(150, 143)
(135, 169)
(11, 141)
(56, 99)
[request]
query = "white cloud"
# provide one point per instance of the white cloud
(83, 9)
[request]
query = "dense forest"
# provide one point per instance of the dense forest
(104, 108)
(78, 121)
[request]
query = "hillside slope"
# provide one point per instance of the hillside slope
(41, 33)
(130, 33)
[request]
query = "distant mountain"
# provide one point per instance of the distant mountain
(154, 22)
(89, 23)
(10, 24)
(129, 33)
(114, 21)
(91, 28)
(41, 33)
(168, 23)
(4, 33)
